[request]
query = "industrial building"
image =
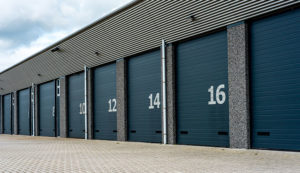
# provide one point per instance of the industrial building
(207, 73)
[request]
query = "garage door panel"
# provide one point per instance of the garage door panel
(47, 109)
(75, 99)
(202, 64)
(24, 116)
(7, 108)
(144, 77)
(275, 98)
(105, 115)
(285, 69)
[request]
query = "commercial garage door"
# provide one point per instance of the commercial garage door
(47, 109)
(1, 108)
(24, 112)
(12, 112)
(7, 114)
(75, 106)
(144, 107)
(57, 107)
(105, 103)
(275, 82)
(202, 77)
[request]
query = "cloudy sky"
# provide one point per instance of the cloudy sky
(27, 26)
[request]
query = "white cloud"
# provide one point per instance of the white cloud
(10, 57)
(28, 26)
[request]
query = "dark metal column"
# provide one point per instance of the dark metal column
(36, 111)
(90, 104)
(1, 115)
(15, 105)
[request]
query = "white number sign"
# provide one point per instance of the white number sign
(82, 108)
(112, 104)
(155, 102)
(220, 95)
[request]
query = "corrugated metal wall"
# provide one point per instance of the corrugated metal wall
(134, 30)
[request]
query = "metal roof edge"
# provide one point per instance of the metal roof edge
(111, 14)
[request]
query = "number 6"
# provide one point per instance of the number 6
(220, 94)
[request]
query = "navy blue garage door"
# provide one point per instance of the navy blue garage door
(275, 81)
(144, 105)
(76, 106)
(201, 85)
(57, 107)
(24, 115)
(47, 109)
(1, 108)
(7, 114)
(105, 103)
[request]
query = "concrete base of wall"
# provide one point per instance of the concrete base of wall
(171, 114)
(63, 108)
(121, 99)
(239, 116)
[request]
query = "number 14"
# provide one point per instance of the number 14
(156, 101)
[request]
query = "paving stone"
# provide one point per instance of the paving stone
(45, 154)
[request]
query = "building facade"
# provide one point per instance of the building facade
(207, 73)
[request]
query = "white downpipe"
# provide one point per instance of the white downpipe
(85, 103)
(164, 106)
(33, 110)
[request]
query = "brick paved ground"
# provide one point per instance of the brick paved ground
(42, 154)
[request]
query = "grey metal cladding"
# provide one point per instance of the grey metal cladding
(132, 30)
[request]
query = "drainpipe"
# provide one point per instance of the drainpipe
(85, 102)
(33, 110)
(163, 61)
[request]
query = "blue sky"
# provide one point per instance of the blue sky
(28, 26)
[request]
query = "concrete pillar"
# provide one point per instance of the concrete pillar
(90, 104)
(171, 114)
(15, 106)
(36, 111)
(121, 100)
(63, 108)
(1, 115)
(238, 81)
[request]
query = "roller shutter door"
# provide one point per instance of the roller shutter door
(47, 109)
(105, 103)
(275, 81)
(7, 114)
(76, 106)
(57, 108)
(201, 85)
(12, 112)
(144, 107)
(24, 116)
(1, 113)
